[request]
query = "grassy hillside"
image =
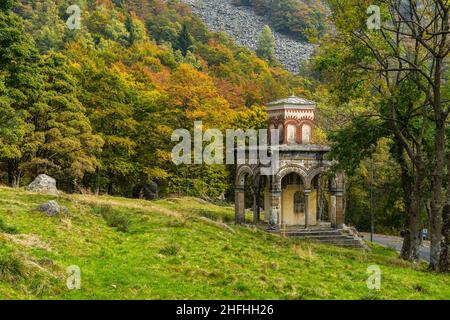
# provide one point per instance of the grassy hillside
(178, 249)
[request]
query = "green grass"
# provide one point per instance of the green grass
(179, 249)
(6, 228)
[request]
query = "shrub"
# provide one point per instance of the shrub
(114, 219)
(170, 250)
(7, 229)
(11, 268)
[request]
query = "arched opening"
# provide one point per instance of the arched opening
(324, 183)
(244, 177)
(264, 199)
(321, 183)
(293, 200)
(248, 195)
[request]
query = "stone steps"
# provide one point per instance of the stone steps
(343, 238)
(309, 233)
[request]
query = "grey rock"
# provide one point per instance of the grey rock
(52, 208)
(148, 191)
(245, 26)
(151, 191)
(46, 261)
(43, 183)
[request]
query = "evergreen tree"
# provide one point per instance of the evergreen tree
(184, 40)
(131, 30)
(266, 45)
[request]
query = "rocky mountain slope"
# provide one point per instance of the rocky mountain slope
(245, 26)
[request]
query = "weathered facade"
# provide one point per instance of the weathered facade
(294, 195)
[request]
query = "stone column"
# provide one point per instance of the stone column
(307, 192)
(239, 205)
(275, 209)
(319, 201)
(340, 218)
(332, 210)
(258, 203)
(255, 205)
(267, 204)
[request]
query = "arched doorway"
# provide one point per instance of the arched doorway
(248, 193)
(298, 205)
(329, 196)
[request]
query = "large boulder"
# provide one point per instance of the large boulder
(43, 183)
(148, 191)
(151, 191)
(52, 208)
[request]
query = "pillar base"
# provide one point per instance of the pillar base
(275, 207)
(273, 228)
(239, 206)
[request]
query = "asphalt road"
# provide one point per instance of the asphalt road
(396, 243)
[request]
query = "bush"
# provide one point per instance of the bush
(30, 280)
(170, 250)
(114, 219)
(7, 229)
(11, 268)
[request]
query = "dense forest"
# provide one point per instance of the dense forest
(95, 107)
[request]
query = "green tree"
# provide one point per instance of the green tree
(7, 5)
(129, 25)
(109, 100)
(266, 45)
(64, 144)
(47, 26)
(20, 86)
(184, 40)
(403, 82)
(136, 30)
(133, 91)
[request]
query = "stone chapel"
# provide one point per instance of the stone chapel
(294, 196)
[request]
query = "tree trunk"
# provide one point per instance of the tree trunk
(411, 199)
(411, 236)
(444, 259)
(439, 145)
(110, 188)
(14, 173)
(97, 182)
(436, 195)
(414, 222)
